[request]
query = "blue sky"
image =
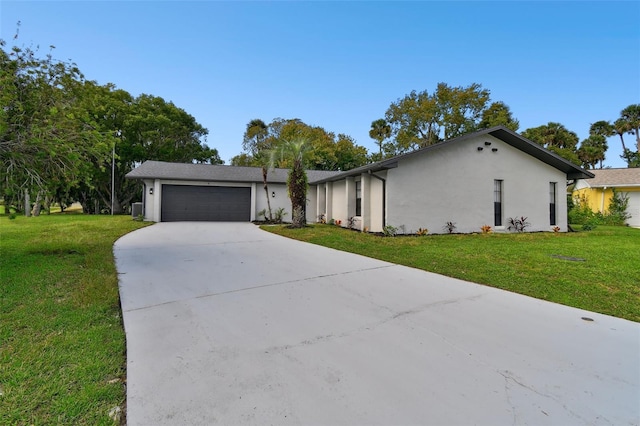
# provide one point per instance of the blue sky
(340, 65)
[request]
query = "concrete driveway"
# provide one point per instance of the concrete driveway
(228, 324)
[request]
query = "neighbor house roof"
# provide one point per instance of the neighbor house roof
(523, 144)
(215, 172)
(615, 177)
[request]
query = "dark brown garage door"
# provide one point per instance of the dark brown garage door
(205, 203)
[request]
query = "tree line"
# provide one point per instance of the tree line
(421, 119)
(64, 138)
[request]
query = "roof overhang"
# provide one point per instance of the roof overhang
(536, 150)
(500, 132)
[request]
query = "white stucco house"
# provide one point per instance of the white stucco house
(482, 178)
(205, 192)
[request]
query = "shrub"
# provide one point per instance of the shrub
(618, 208)
(422, 231)
(518, 224)
(389, 231)
(486, 229)
(450, 227)
(279, 215)
(590, 224)
(581, 214)
(579, 211)
(352, 221)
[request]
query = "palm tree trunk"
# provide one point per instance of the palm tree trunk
(266, 191)
(624, 148)
(297, 192)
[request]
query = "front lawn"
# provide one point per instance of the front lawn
(597, 270)
(62, 344)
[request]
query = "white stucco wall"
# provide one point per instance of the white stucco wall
(455, 183)
(281, 200)
(148, 207)
(339, 202)
(375, 199)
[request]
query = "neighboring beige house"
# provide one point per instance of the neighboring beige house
(597, 192)
(483, 178)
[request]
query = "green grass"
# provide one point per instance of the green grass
(62, 344)
(607, 281)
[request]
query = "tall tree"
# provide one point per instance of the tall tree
(420, 119)
(348, 154)
(326, 151)
(414, 122)
(145, 128)
(380, 131)
(460, 108)
(602, 128)
(592, 151)
(498, 114)
(255, 137)
(595, 147)
(556, 138)
(243, 159)
(294, 150)
(60, 133)
(46, 138)
(631, 115)
(621, 128)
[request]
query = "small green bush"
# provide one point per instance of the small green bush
(579, 212)
(390, 231)
(618, 208)
(279, 215)
(590, 224)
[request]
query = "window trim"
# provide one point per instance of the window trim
(553, 203)
(498, 202)
(358, 198)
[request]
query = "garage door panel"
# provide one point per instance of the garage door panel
(205, 203)
(633, 209)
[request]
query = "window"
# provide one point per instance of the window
(358, 198)
(552, 203)
(497, 203)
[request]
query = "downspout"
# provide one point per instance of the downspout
(144, 200)
(384, 198)
(604, 189)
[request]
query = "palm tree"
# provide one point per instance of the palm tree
(620, 127)
(380, 130)
(631, 115)
(592, 151)
(254, 142)
(297, 183)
